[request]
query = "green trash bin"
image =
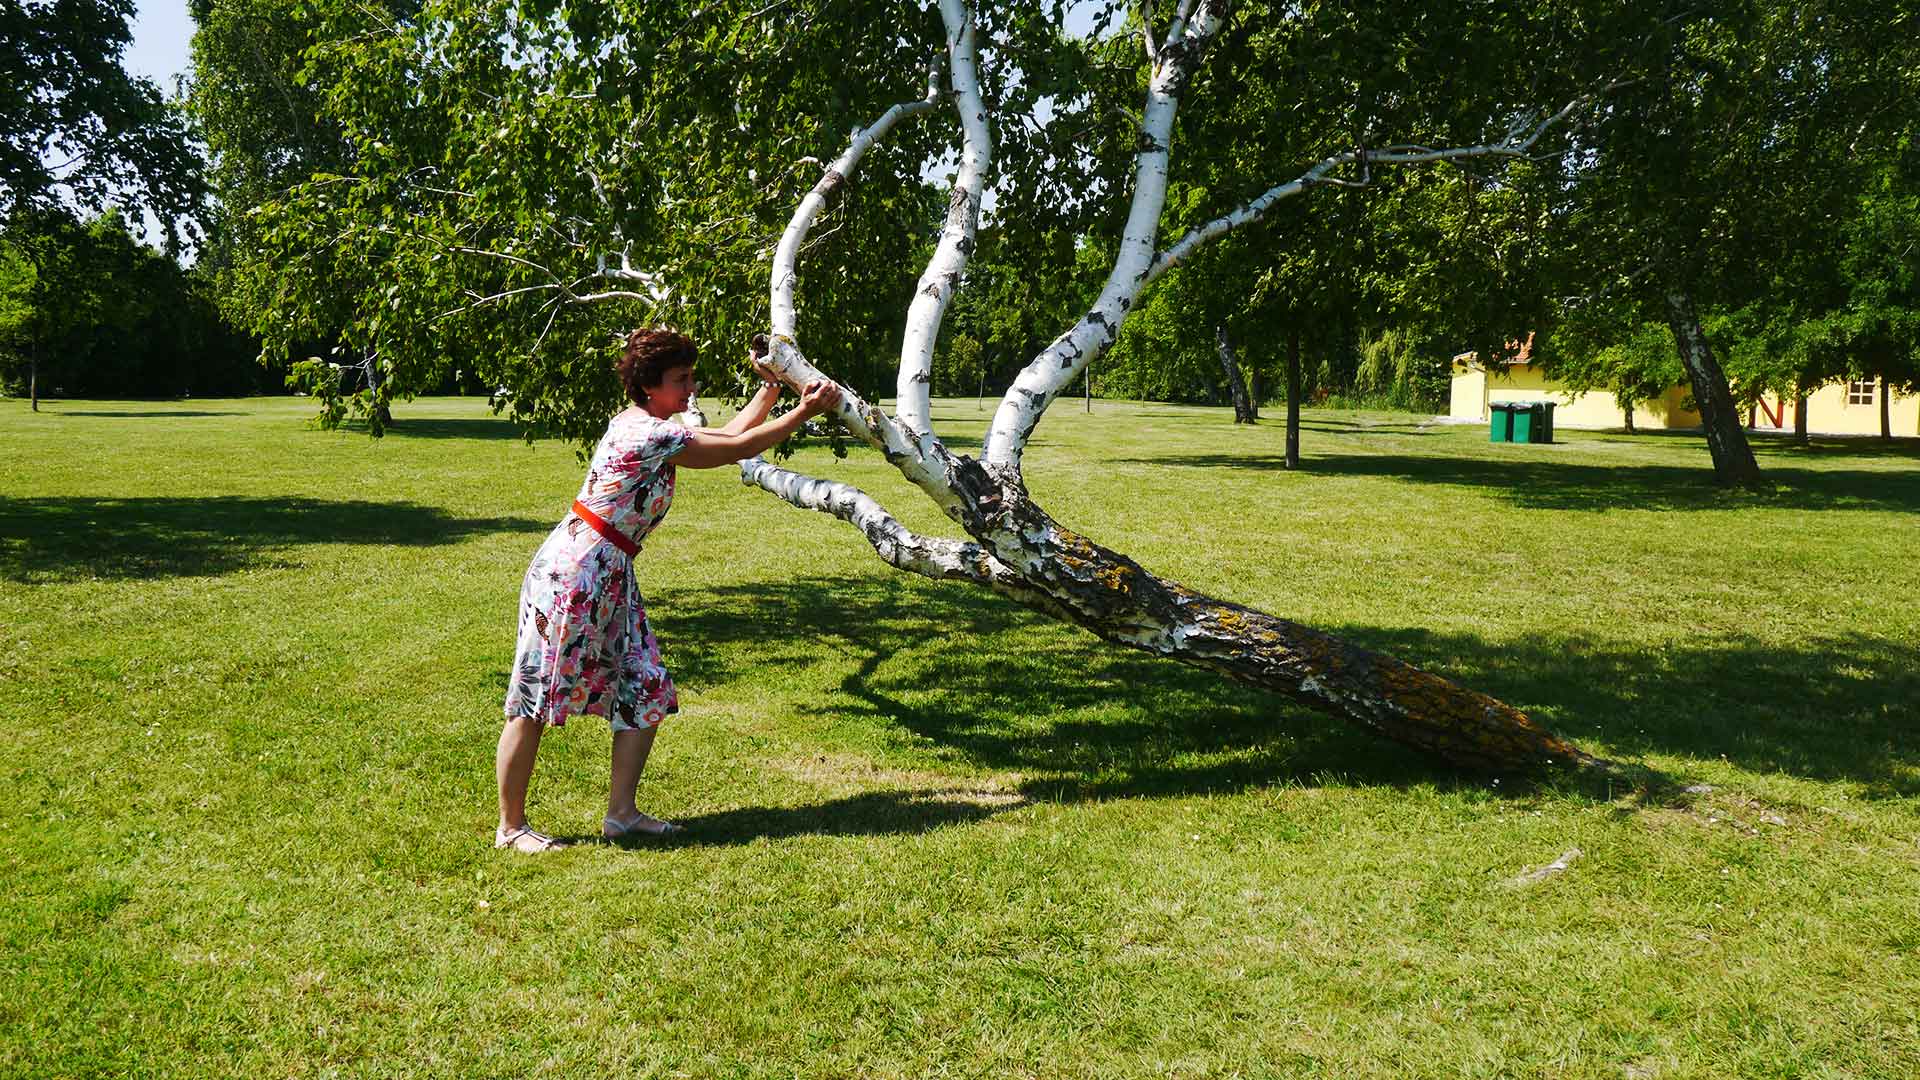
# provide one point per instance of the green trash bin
(1543, 423)
(1523, 426)
(1500, 423)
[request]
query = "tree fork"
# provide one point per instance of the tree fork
(1116, 599)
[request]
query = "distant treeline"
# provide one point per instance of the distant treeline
(87, 310)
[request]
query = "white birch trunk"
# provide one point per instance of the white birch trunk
(942, 276)
(1054, 370)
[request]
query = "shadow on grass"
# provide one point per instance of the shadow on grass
(134, 414)
(1558, 485)
(1001, 688)
(1830, 447)
(870, 813)
(452, 428)
(62, 539)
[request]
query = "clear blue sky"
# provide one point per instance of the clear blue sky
(161, 33)
(163, 29)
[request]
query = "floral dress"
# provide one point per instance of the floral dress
(584, 646)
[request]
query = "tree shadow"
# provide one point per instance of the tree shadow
(1862, 446)
(1845, 706)
(998, 687)
(452, 428)
(1535, 484)
(69, 538)
(130, 414)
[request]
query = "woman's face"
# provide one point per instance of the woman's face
(676, 386)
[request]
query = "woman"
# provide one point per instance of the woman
(585, 647)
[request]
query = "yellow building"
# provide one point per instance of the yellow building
(1835, 409)
(1849, 408)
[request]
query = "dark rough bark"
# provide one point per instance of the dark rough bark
(1627, 410)
(1293, 400)
(1733, 461)
(1800, 417)
(1236, 383)
(33, 376)
(1113, 597)
(1886, 410)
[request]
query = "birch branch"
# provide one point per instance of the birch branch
(935, 557)
(920, 458)
(786, 256)
(913, 404)
(654, 294)
(1136, 266)
(1516, 143)
(1047, 374)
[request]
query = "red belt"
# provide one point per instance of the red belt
(600, 525)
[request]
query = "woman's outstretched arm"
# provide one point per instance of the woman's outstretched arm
(752, 414)
(709, 450)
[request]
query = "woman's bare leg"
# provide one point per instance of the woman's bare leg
(513, 768)
(630, 750)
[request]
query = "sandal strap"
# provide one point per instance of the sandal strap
(511, 839)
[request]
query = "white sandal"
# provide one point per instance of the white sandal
(525, 839)
(644, 824)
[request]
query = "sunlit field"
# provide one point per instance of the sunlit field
(252, 681)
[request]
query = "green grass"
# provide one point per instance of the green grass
(252, 676)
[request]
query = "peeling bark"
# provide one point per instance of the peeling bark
(1733, 461)
(1116, 599)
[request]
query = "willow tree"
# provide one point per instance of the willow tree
(528, 174)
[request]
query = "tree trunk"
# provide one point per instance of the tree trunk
(1114, 598)
(1237, 386)
(1733, 461)
(1800, 416)
(1627, 411)
(1254, 390)
(1886, 410)
(33, 375)
(1293, 400)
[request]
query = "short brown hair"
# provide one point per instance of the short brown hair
(649, 355)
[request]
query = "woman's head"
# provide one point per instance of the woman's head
(648, 356)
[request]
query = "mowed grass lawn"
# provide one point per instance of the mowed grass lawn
(252, 678)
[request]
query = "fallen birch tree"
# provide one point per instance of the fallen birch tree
(666, 143)
(1017, 549)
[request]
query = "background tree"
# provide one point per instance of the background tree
(1703, 182)
(76, 129)
(96, 313)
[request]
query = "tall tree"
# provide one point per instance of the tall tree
(1702, 182)
(74, 125)
(75, 128)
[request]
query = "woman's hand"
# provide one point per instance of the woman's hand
(820, 396)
